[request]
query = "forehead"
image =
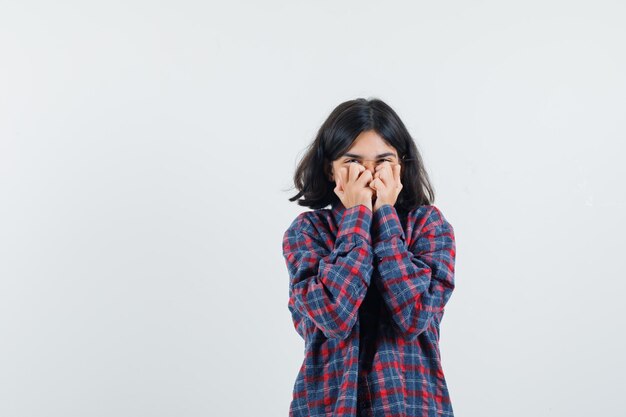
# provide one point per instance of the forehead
(370, 144)
(370, 152)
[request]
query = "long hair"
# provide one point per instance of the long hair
(336, 136)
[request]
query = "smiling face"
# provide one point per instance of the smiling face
(368, 149)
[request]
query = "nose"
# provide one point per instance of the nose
(371, 165)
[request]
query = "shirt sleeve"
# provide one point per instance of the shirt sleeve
(415, 283)
(326, 287)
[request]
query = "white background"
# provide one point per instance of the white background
(146, 155)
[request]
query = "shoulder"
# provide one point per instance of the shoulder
(426, 217)
(307, 230)
(428, 228)
(308, 222)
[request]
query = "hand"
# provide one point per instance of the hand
(352, 186)
(387, 184)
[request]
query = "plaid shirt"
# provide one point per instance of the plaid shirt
(367, 293)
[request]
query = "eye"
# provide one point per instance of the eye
(380, 160)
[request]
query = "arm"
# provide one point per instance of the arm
(327, 287)
(415, 283)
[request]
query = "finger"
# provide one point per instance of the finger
(385, 173)
(384, 165)
(339, 183)
(343, 174)
(396, 170)
(339, 177)
(353, 172)
(365, 177)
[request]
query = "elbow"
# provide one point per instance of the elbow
(335, 335)
(408, 333)
(411, 328)
(339, 330)
(329, 323)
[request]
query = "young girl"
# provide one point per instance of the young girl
(370, 276)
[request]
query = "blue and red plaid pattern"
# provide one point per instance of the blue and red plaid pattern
(367, 293)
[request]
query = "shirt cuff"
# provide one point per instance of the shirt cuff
(386, 223)
(356, 220)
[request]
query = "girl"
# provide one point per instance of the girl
(369, 276)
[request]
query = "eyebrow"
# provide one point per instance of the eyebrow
(382, 155)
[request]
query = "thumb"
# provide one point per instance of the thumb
(338, 186)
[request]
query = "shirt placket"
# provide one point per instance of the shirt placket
(367, 335)
(365, 399)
